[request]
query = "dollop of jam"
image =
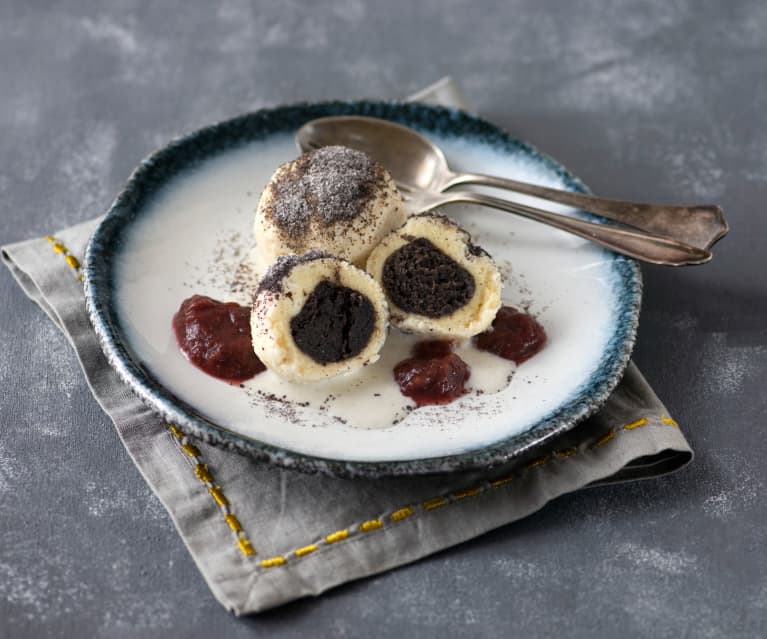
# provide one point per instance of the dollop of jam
(434, 375)
(514, 335)
(215, 337)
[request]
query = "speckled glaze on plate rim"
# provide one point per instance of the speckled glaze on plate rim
(189, 150)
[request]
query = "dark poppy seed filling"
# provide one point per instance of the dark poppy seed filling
(334, 324)
(421, 279)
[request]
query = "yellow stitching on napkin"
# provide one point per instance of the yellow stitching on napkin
(371, 524)
(176, 432)
(469, 492)
(636, 424)
(337, 536)
(564, 453)
(669, 421)
(495, 483)
(402, 513)
(431, 504)
(233, 522)
(274, 561)
(306, 550)
(538, 462)
(59, 247)
(604, 439)
(190, 449)
(203, 473)
(218, 495)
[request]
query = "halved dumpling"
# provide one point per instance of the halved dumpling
(317, 316)
(437, 282)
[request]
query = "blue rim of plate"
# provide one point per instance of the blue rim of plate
(192, 149)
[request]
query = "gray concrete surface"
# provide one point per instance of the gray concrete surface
(651, 100)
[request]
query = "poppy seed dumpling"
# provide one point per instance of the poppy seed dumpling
(333, 199)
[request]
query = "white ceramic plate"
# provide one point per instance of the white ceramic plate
(184, 226)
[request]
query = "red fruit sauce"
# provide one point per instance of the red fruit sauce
(215, 337)
(514, 335)
(434, 375)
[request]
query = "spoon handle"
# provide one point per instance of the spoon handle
(637, 244)
(699, 226)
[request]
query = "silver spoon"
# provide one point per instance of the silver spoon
(640, 245)
(418, 165)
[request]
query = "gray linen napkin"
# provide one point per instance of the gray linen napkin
(263, 536)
